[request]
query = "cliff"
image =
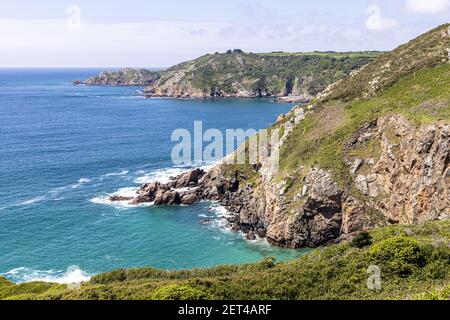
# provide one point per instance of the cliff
(371, 150)
(295, 76)
(238, 74)
(122, 77)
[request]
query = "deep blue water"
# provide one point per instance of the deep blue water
(65, 148)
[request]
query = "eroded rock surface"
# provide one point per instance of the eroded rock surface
(407, 181)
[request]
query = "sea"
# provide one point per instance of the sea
(64, 149)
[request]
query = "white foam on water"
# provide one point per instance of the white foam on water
(221, 214)
(129, 192)
(220, 222)
(80, 183)
(164, 175)
(116, 174)
(54, 194)
(32, 201)
(73, 274)
(161, 175)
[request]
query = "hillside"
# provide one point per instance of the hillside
(414, 263)
(239, 74)
(371, 150)
(365, 164)
(122, 77)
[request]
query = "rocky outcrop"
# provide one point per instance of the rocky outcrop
(410, 181)
(243, 75)
(240, 75)
(294, 99)
(389, 170)
(123, 77)
(179, 190)
(407, 182)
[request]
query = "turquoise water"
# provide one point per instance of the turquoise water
(64, 149)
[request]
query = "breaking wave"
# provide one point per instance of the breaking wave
(73, 274)
(123, 192)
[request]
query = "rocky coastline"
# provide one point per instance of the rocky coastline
(363, 154)
(291, 78)
(327, 213)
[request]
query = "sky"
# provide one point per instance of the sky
(155, 33)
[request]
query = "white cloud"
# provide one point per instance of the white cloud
(376, 22)
(31, 43)
(428, 6)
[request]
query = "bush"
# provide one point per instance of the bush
(113, 276)
(179, 292)
(364, 239)
(399, 255)
(267, 263)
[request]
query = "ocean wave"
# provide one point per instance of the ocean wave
(73, 274)
(220, 217)
(123, 192)
(160, 175)
(220, 222)
(164, 175)
(129, 97)
(80, 183)
(116, 174)
(32, 201)
(54, 194)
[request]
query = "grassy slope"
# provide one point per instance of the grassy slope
(423, 98)
(269, 71)
(337, 55)
(414, 262)
(417, 87)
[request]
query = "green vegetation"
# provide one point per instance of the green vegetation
(426, 51)
(179, 292)
(400, 255)
(123, 77)
(262, 74)
(414, 81)
(362, 240)
(331, 54)
(319, 139)
(414, 263)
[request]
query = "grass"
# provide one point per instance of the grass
(334, 272)
(269, 73)
(426, 51)
(330, 54)
(422, 98)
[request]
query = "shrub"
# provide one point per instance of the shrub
(113, 276)
(364, 239)
(179, 292)
(268, 262)
(398, 255)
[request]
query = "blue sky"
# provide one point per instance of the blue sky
(138, 33)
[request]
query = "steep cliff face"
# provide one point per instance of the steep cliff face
(297, 77)
(346, 164)
(238, 74)
(406, 181)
